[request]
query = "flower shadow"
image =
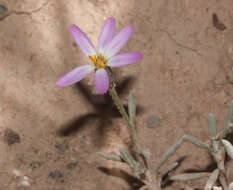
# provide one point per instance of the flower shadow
(103, 109)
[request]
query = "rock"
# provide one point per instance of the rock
(57, 176)
(11, 137)
(25, 181)
(62, 146)
(3, 12)
(153, 122)
(217, 23)
(16, 173)
(35, 164)
(72, 165)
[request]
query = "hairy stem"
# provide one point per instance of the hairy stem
(121, 109)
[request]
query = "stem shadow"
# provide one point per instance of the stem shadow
(103, 109)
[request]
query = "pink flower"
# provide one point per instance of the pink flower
(106, 56)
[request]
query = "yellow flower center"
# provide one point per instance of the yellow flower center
(99, 61)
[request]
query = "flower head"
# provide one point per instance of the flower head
(106, 56)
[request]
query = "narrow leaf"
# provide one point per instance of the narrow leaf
(109, 156)
(189, 176)
(229, 148)
(126, 156)
(223, 181)
(212, 125)
(169, 169)
(195, 141)
(229, 117)
(173, 148)
(212, 179)
(132, 108)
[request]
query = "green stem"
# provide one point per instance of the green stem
(121, 109)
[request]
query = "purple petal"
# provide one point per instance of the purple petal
(101, 81)
(75, 75)
(124, 59)
(82, 41)
(118, 42)
(107, 33)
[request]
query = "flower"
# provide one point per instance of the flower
(106, 56)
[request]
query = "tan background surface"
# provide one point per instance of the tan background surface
(185, 73)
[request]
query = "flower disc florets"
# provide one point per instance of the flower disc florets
(99, 61)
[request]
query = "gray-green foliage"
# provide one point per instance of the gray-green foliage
(212, 179)
(229, 148)
(217, 147)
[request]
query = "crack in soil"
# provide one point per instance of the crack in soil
(28, 13)
(176, 42)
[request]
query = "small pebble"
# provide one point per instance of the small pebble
(25, 181)
(3, 12)
(16, 173)
(57, 175)
(72, 165)
(11, 137)
(153, 122)
(35, 164)
(217, 23)
(62, 146)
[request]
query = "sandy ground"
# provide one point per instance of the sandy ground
(49, 136)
